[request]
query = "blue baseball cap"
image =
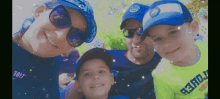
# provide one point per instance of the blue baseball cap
(135, 11)
(83, 7)
(169, 12)
(94, 53)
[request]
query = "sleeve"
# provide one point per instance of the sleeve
(118, 97)
(162, 89)
(64, 92)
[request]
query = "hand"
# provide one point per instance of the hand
(63, 79)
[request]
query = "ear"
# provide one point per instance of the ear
(194, 27)
(77, 86)
(112, 79)
(38, 10)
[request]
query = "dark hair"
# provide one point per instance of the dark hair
(16, 36)
(94, 53)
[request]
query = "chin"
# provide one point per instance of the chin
(46, 54)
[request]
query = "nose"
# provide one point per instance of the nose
(95, 76)
(167, 43)
(136, 39)
(61, 33)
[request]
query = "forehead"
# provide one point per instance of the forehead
(94, 63)
(132, 24)
(160, 29)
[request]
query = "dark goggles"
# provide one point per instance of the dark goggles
(60, 18)
(129, 33)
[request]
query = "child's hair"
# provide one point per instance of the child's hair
(16, 36)
(95, 53)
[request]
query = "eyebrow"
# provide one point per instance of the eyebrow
(99, 67)
(171, 27)
(85, 70)
(103, 67)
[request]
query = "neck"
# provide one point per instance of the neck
(101, 97)
(188, 60)
(139, 61)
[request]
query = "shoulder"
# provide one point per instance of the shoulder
(163, 68)
(203, 46)
(118, 97)
(116, 53)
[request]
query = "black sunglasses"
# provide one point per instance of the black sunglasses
(60, 18)
(129, 33)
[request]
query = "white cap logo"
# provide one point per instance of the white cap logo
(154, 12)
(134, 8)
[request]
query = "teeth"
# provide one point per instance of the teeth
(97, 86)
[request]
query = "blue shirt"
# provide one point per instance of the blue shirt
(68, 63)
(133, 81)
(33, 77)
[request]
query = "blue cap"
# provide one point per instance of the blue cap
(169, 12)
(135, 11)
(83, 7)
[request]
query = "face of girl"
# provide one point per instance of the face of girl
(45, 39)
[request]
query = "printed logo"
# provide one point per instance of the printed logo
(134, 8)
(154, 12)
(18, 75)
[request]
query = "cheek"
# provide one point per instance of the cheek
(159, 50)
(128, 42)
(84, 83)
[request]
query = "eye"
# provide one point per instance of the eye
(86, 74)
(173, 32)
(101, 71)
(157, 39)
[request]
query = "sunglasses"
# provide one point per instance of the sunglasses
(60, 18)
(129, 33)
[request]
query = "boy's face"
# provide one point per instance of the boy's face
(95, 78)
(173, 42)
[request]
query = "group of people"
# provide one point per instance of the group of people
(161, 61)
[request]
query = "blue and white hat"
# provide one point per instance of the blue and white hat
(169, 12)
(84, 7)
(135, 11)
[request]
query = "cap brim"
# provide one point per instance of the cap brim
(139, 18)
(91, 24)
(166, 21)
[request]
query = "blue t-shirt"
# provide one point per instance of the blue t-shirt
(33, 77)
(68, 63)
(133, 81)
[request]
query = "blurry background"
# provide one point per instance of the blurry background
(108, 16)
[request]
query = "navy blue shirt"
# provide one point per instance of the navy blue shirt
(33, 77)
(68, 63)
(131, 80)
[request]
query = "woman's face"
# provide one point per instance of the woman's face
(45, 39)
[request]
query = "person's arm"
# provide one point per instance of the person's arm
(162, 90)
(70, 92)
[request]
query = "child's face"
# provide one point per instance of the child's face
(95, 78)
(172, 42)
